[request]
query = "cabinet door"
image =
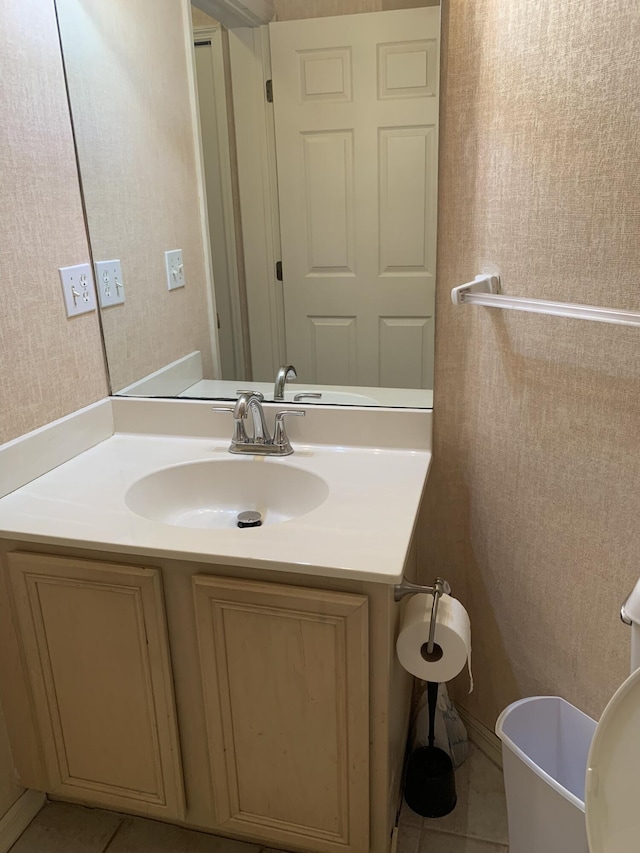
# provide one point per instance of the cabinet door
(94, 646)
(285, 677)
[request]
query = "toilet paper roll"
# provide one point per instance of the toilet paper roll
(452, 642)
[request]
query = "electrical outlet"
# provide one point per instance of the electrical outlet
(77, 288)
(175, 269)
(109, 283)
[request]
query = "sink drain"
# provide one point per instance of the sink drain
(249, 518)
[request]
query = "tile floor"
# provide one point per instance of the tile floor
(477, 825)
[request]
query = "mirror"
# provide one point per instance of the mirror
(231, 234)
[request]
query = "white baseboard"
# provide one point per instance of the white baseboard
(18, 818)
(482, 737)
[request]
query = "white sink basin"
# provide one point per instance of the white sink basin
(211, 494)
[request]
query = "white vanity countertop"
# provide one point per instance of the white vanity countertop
(362, 531)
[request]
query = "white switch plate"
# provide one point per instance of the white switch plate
(109, 283)
(78, 290)
(175, 269)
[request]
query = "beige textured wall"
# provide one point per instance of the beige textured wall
(289, 10)
(49, 366)
(127, 70)
(533, 506)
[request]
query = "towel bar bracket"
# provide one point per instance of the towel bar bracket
(480, 284)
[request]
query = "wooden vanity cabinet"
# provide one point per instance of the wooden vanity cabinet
(92, 640)
(273, 700)
(286, 692)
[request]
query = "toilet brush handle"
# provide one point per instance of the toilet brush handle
(432, 697)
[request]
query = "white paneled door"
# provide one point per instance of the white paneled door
(356, 110)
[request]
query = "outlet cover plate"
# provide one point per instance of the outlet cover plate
(77, 289)
(175, 269)
(109, 283)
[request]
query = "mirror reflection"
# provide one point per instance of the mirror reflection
(261, 202)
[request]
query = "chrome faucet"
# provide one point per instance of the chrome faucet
(250, 402)
(285, 372)
(260, 442)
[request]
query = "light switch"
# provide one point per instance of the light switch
(78, 290)
(175, 269)
(109, 283)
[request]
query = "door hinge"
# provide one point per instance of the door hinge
(269, 87)
(279, 270)
(218, 319)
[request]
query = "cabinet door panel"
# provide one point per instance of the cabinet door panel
(285, 677)
(94, 642)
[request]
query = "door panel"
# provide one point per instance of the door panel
(406, 161)
(356, 109)
(94, 642)
(334, 350)
(405, 346)
(328, 193)
(285, 679)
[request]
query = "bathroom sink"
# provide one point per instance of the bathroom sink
(211, 494)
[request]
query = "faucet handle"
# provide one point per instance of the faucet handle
(280, 437)
(307, 395)
(257, 394)
(297, 413)
(239, 431)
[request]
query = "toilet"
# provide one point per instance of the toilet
(612, 785)
(573, 786)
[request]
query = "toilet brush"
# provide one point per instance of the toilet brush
(430, 788)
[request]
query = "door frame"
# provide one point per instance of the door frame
(187, 27)
(250, 58)
(213, 35)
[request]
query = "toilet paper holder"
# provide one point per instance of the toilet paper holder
(439, 587)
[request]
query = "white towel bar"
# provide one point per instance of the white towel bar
(485, 290)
